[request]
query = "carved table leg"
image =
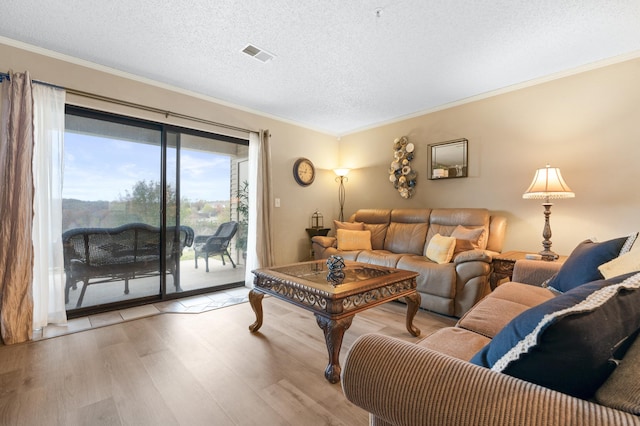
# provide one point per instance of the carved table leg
(333, 333)
(255, 298)
(495, 278)
(413, 303)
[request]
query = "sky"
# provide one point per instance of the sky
(97, 168)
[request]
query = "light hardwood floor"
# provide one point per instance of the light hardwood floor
(191, 369)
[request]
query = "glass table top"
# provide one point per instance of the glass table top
(318, 272)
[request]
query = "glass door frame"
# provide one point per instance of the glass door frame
(164, 129)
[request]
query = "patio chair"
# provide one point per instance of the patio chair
(217, 244)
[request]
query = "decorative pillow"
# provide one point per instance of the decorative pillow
(623, 264)
(354, 226)
(622, 389)
(566, 342)
(582, 264)
(628, 245)
(353, 240)
(440, 249)
(467, 238)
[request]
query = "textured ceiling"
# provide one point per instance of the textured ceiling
(340, 65)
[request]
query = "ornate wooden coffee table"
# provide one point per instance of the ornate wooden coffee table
(309, 286)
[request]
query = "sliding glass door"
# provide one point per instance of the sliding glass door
(112, 179)
(204, 169)
(143, 204)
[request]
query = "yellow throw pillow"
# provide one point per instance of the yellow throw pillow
(353, 240)
(623, 264)
(354, 226)
(440, 249)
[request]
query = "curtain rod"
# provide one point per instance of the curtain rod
(166, 113)
(4, 75)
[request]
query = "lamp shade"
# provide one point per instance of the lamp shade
(548, 184)
(341, 172)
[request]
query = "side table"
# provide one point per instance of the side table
(503, 265)
(312, 232)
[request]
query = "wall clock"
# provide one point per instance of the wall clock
(304, 172)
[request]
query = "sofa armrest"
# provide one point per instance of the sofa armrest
(473, 268)
(325, 242)
(473, 255)
(534, 272)
(319, 244)
(401, 383)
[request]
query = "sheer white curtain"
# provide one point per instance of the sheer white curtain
(48, 272)
(259, 241)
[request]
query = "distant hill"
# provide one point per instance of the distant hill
(83, 214)
(203, 216)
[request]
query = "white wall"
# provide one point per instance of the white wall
(288, 141)
(587, 124)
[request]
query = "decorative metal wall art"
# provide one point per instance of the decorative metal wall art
(401, 175)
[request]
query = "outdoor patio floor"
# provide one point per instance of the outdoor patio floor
(191, 279)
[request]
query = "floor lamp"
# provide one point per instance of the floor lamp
(341, 176)
(548, 184)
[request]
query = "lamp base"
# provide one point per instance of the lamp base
(548, 255)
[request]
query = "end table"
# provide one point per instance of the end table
(312, 232)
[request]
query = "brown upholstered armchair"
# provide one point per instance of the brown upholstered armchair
(217, 244)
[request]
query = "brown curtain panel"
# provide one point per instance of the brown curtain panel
(16, 209)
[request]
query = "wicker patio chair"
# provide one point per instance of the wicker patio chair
(217, 244)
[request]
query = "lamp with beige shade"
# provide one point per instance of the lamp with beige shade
(548, 184)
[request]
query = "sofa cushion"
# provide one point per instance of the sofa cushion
(354, 226)
(582, 264)
(378, 234)
(440, 249)
(345, 254)
(523, 294)
(406, 237)
(445, 221)
(622, 389)
(506, 302)
(376, 221)
(456, 342)
(372, 216)
(565, 343)
(379, 257)
(468, 238)
(353, 240)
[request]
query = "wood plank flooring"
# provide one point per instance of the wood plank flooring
(191, 369)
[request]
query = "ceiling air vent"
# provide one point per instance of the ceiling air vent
(259, 54)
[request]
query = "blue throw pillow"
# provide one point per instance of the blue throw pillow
(566, 343)
(582, 264)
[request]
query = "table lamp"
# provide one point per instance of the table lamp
(548, 184)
